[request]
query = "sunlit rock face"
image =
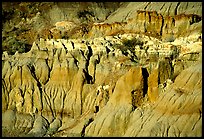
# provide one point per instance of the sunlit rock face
(137, 73)
(152, 23)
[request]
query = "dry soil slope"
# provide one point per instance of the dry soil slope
(128, 10)
(176, 113)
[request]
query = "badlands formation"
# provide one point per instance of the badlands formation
(138, 73)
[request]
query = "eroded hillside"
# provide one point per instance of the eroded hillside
(136, 77)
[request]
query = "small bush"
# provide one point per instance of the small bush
(85, 15)
(175, 51)
(14, 45)
(129, 45)
(132, 43)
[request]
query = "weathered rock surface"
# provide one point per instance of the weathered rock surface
(92, 91)
(166, 21)
(24, 22)
(153, 22)
(111, 82)
(171, 115)
(165, 8)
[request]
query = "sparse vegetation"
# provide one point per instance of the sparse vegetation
(85, 16)
(133, 42)
(16, 45)
(175, 52)
(129, 45)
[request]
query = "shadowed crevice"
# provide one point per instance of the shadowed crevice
(145, 75)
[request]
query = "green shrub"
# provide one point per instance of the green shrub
(14, 45)
(85, 16)
(132, 43)
(129, 45)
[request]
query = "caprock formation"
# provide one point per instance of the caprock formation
(116, 80)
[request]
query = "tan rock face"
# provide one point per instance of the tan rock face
(152, 23)
(91, 92)
(172, 108)
(164, 8)
(129, 89)
(153, 91)
(123, 84)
